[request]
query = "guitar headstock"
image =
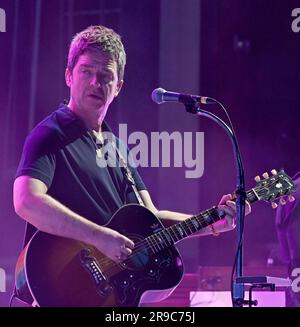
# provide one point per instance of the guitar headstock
(277, 186)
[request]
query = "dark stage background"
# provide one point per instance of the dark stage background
(242, 52)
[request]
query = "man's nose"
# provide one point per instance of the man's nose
(96, 81)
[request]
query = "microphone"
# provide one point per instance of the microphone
(160, 95)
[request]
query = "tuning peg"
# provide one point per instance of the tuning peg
(274, 205)
(257, 179)
(291, 198)
(274, 172)
(265, 175)
(282, 201)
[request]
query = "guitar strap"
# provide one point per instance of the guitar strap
(127, 174)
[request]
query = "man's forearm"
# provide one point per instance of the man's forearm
(49, 215)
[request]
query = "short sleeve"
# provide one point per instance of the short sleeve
(38, 156)
(137, 178)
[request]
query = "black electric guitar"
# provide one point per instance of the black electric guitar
(57, 271)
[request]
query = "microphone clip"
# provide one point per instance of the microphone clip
(191, 103)
(192, 106)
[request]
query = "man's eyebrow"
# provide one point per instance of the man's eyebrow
(106, 70)
(86, 65)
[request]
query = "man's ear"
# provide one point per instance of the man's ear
(68, 77)
(119, 86)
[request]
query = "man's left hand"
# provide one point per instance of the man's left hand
(229, 221)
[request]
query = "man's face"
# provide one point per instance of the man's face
(93, 85)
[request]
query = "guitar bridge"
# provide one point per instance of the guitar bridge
(90, 264)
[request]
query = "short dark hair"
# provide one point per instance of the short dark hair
(99, 38)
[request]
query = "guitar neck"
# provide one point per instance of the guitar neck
(173, 234)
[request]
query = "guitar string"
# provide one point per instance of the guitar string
(141, 245)
(112, 265)
(173, 231)
(201, 219)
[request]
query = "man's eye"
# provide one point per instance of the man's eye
(106, 79)
(86, 72)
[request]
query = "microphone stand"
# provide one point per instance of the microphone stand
(237, 289)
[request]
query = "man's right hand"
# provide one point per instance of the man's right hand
(112, 244)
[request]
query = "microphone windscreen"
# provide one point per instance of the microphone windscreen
(157, 95)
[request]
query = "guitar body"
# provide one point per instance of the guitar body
(57, 271)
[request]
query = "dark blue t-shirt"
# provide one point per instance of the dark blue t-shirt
(61, 153)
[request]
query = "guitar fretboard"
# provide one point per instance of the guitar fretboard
(177, 232)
